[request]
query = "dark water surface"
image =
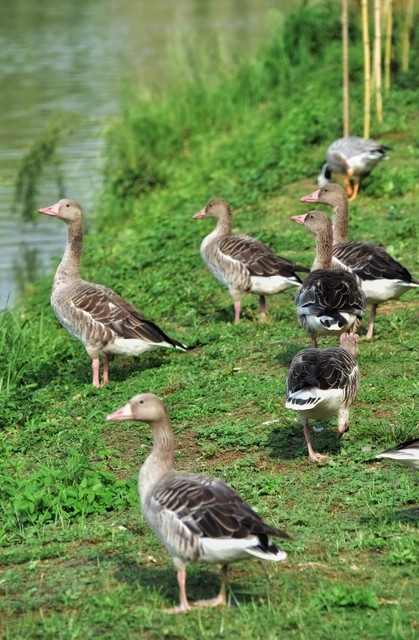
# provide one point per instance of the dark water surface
(73, 56)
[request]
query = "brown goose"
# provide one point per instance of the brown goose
(99, 317)
(382, 277)
(330, 300)
(355, 158)
(198, 518)
(244, 264)
(323, 383)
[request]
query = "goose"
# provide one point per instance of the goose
(330, 301)
(382, 277)
(198, 518)
(353, 156)
(407, 453)
(323, 383)
(100, 318)
(242, 263)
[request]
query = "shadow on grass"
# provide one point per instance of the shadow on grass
(407, 516)
(201, 583)
(288, 442)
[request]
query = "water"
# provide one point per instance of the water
(73, 56)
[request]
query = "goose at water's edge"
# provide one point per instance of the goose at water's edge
(101, 319)
(242, 263)
(323, 383)
(330, 301)
(198, 518)
(355, 158)
(382, 277)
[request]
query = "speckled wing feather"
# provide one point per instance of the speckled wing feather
(330, 290)
(330, 368)
(210, 508)
(117, 315)
(259, 259)
(371, 262)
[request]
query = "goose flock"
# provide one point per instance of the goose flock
(199, 518)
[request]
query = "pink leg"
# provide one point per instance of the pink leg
(105, 369)
(315, 457)
(237, 307)
(95, 368)
(262, 303)
(221, 599)
(184, 604)
(314, 343)
(372, 320)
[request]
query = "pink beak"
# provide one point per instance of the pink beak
(299, 219)
(200, 214)
(312, 197)
(53, 210)
(123, 413)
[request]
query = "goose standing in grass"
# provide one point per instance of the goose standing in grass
(198, 518)
(330, 301)
(323, 383)
(407, 453)
(244, 264)
(382, 277)
(355, 158)
(99, 317)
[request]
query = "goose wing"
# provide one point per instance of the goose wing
(370, 261)
(258, 259)
(210, 508)
(105, 307)
(330, 290)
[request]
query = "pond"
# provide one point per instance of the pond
(73, 56)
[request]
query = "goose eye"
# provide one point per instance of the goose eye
(67, 204)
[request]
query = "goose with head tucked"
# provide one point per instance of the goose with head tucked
(100, 318)
(382, 277)
(323, 383)
(407, 453)
(242, 263)
(198, 518)
(355, 158)
(330, 300)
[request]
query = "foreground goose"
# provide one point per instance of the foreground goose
(330, 300)
(197, 518)
(99, 317)
(323, 383)
(244, 264)
(406, 453)
(355, 158)
(383, 278)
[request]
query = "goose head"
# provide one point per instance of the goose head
(145, 407)
(215, 208)
(332, 194)
(67, 210)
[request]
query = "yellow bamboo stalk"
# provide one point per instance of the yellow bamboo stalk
(377, 60)
(367, 65)
(407, 23)
(345, 68)
(388, 50)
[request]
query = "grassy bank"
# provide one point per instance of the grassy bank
(77, 560)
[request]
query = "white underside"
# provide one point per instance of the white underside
(132, 346)
(273, 284)
(404, 456)
(226, 550)
(385, 289)
(316, 403)
(314, 323)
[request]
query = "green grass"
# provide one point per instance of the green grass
(76, 557)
